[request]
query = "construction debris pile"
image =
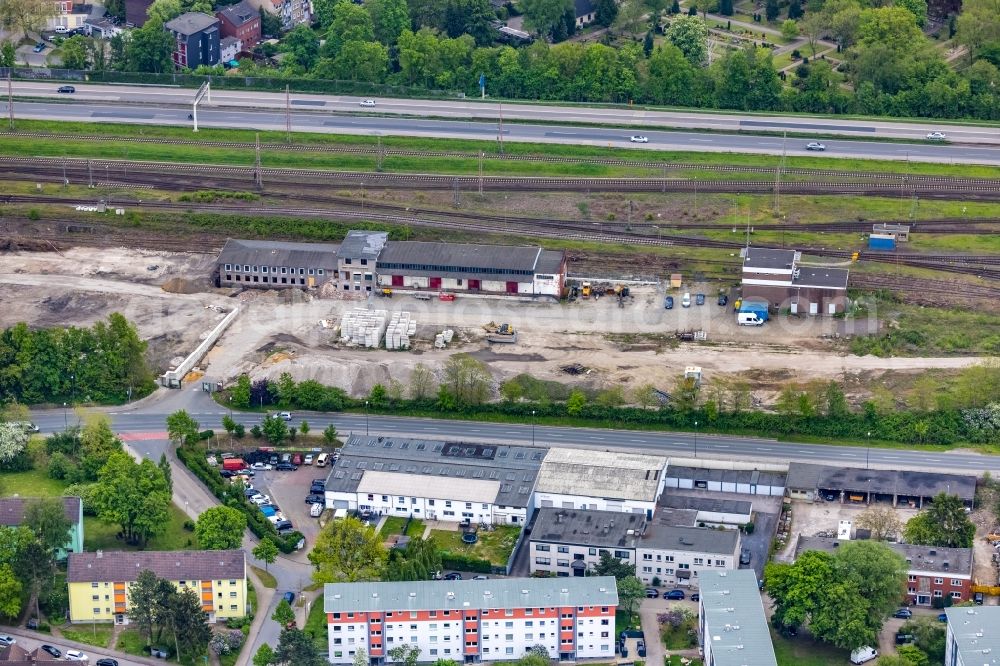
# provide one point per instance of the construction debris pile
(443, 338)
(363, 327)
(401, 327)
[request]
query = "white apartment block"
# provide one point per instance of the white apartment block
(600, 481)
(973, 637)
(433, 480)
(732, 625)
(473, 621)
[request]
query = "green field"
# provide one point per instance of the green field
(494, 546)
(801, 651)
(32, 483)
(316, 625)
(98, 635)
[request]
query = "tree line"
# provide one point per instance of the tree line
(105, 363)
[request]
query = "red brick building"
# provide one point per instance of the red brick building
(780, 278)
(240, 21)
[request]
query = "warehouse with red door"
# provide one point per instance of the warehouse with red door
(467, 268)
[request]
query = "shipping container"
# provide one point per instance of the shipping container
(233, 464)
(881, 242)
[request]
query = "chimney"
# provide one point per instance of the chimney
(100, 554)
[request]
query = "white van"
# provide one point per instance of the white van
(322, 459)
(316, 510)
(749, 319)
(60, 30)
(863, 654)
(686, 300)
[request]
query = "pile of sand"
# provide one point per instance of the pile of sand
(178, 285)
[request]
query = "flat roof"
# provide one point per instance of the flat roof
(583, 527)
(362, 245)
(826, 278)
(461, 257)
(549, 261)
(459, 595)
(767, 258)
(712, 504)
(393, 483)
(933, 559)
(606, 474)
(514, 467)
(733, 616)
(279, 253)
(805, 476)
(125, 566)
(664, 535)
(974, 633)
(751, 476)
(191, 23)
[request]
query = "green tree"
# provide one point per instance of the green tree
(542, 16)
(467, 378)
(301, 47)
(286, 388)
(576, 402)
(220, 528)
(378, 395)
(407, 655)
(645, 395)
(241, 392)
(421, 382)
(631, 591)
(266, 551)
(789, 29)
(978, 26)
(142, 594)
(511, 391)
(672, 77)
(182, 428)
(74, 52)
(390, 18)
(771, 10)
(133, 496)
(10, 592)
(929, 635)
(189, 624)
(304, 428)
(284, 615)
(275, 430)
(347, 551)
(35, 566)
(229, 424)
(46, 518)
(165, 10)
(13, 439)
(686, 394)
(8, 54)
(330, 434)
(297, 647)
(916, 7)
(168, 474)
(265, 656)
(613, 396)
(149, 48)
(97, 443)
(24, 16)
(944, 523)
(612, 566)
(912, 655)
(794, 9)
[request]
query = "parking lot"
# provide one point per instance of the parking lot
(288, 490)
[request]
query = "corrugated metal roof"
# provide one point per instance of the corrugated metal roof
(585, 472)
(733, 616)
(279, 253)
(469, 594)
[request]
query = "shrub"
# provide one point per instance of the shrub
(59, 465)
(461, 562)
(189, 525)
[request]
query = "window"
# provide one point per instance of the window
(563, 549)
(95, 597)
(246, 268)
(562, 563)
(232, 595)
(97, 611)
(939, 581)
(509, 650)
(911, 578)
(347, 261)
(623, 554)
(430, 502)
(955, 582)
(256, 269)
(508, 625)
(544, 547)
(319, 271)
(592, 551)
(938, 594)
(956, 595)
(228, 267)
(263, 269)
(699, 561)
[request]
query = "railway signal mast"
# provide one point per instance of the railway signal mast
(204, 92)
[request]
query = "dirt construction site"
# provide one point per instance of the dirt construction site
(595, 343)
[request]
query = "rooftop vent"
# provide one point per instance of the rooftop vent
(604, 589)
(413, 594)
(565, 590)
(524, 591)
(336, 596)
(374, 595)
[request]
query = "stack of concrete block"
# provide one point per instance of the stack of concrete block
(401, 327)
(363, 327)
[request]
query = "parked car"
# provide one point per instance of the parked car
(937, 136)
(286, 457)
(260, 499)
(454, 575)
(745, 556)
(723, 300)
(830, 497)
(903, 639)
(686, 300)
(903, 614)
(107, 661)
(319, 482)
(260, 467)
(289, 597)
(52, 650)
(227, 473)
(863, 654)
(66, 89)
(652, 593)
(314, 498)
(297, 459)
(76, 655)
(480, 577)
(815, 145)
(29, 426)
(285, 467)
(6, 641)
(369, 103)
(977, 598)
(668, 303)
(674, 595)
(60, 30)
(638, 138)
(315, 489)
(283, 524)
(316, 510)
(273, 460)
(39, 47)
(699, 299)
(308, 460)
(695, 597)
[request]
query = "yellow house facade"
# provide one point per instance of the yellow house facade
(99, 581)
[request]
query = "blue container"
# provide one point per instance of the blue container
(757, 307)
(881, 242)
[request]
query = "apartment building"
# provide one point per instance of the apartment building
(12, 515)
(732, 626)
(99, 581)
(568, 542)
(473, 621)
(973, 636)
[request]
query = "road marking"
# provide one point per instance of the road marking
(702, 140)
(721, 446)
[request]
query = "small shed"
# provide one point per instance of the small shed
(675, 280)
(882, 242)
(901, 232)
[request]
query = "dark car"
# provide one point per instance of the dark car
(652, 593)
(668, 303)
(316, 490)
(54, 651)
(226, 473)
(942, 617)
(273, 460)
(286, 467)
(319, 482)
(283, 525)
(454, 575)
(66, 89)
(977, 598)
(39, 47)
(830, 497)
(106, 661)
(903, 614)
(745, 556)
(723, 299)
(32, 623)
(640, 649)
(289, 597)
(315, 499)
(699, 299)
(903, 639)
(624, 650)
(674, 595)
(250, 492)
(695, 597)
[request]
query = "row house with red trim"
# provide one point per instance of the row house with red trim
(472, 621)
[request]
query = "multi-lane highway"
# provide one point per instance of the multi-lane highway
(152, 419)
(475, 120)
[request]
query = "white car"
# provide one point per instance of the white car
(260, 499)
(76, 655)
(60, 30)
(368, 103)
(284, 416)
(638, 138)
(308, 460)
(316, 510)
(936, 136)
(259, 466)
(6, 641)
(815, 145)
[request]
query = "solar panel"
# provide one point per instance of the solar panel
(339, 474)
(357, 476)
(519, 455)
(362, 464)
(494, 474)
(478, 474)
(511, 476)
(404, 445)
(421, 446)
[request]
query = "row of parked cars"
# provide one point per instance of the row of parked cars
(56, 653)
(699, 299)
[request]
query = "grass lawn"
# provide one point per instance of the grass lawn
(801, 651)
(415, 529)
(266, 579)
(674, 660)
(624, 620)
(252, 597)
(130, 642)
(680, 638)
(96, 634)
(316, 625)
(392, 525)
(495, 546)
(33, 483)
(98, 535)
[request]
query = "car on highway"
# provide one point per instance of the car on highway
(638, 138)
(308, 460)
(368, 103)
(285, 416)
(52, 650)
(7, 641)
(674, 595)
(815, 145)
(699, 299)
(903, 614)
(652, 593)
(480, 577)
(260, 467)
(937, 136)
(76, 655)
(106, 661)
(668, 303)
(39, 47)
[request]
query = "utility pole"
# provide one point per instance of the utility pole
(499, 132)
(481, 154)
(458, 200)
(10, 97)
(777, 175)
(288, 115)
(380, 155)
(90, 174)
(258, 177)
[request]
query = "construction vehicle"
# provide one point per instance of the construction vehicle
(585, 293)
(386, 293)
(503, 333)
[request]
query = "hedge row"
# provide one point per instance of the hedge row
(459, 562)
(194, 460)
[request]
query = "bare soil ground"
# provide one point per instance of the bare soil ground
(280, 331)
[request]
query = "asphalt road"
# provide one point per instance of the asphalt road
(151, 419)
(329, 118)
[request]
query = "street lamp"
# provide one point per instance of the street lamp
(868, 448)
(65, 418)
(532, 427)
(366, 418)
(695, 439)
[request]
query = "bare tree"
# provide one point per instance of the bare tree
(881, 521)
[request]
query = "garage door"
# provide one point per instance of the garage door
(435, 283)
(512, 287)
